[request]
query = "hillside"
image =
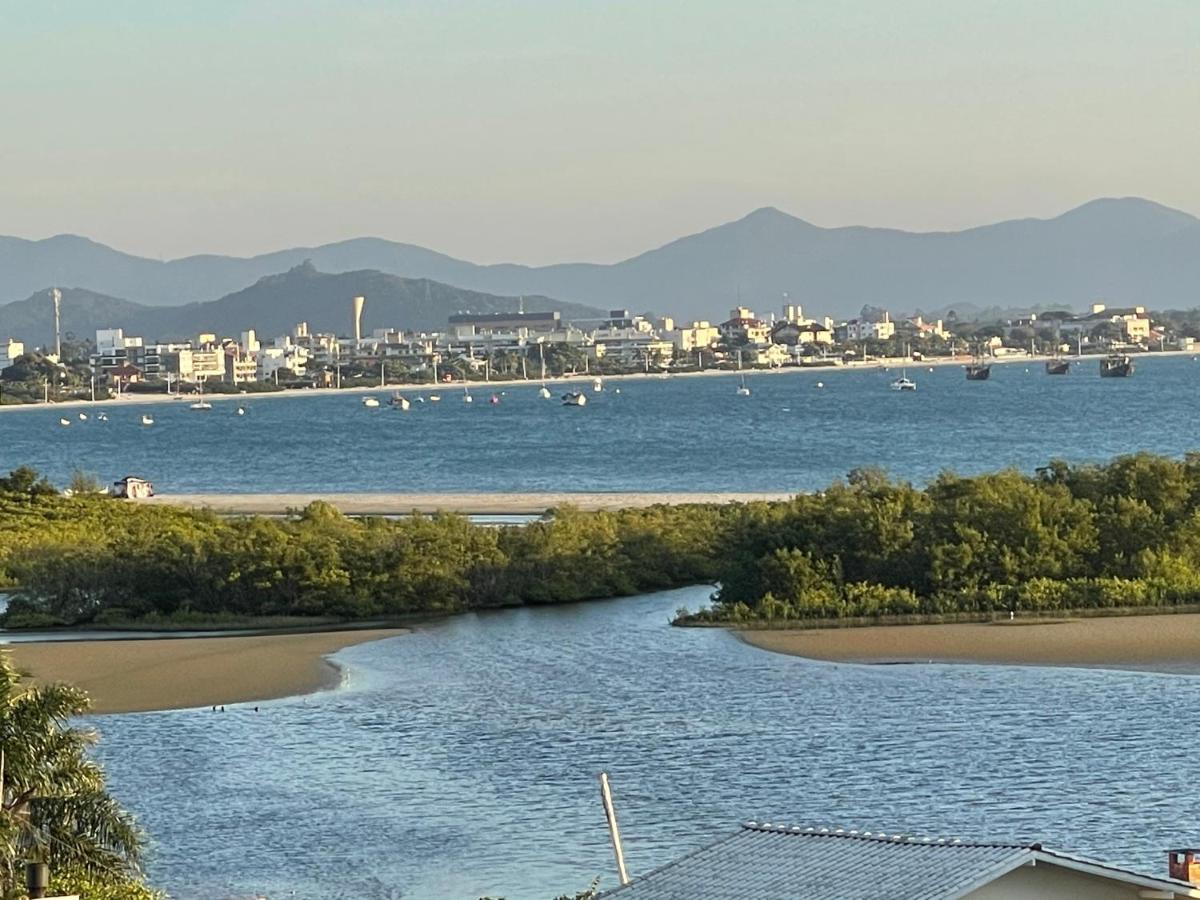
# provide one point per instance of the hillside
(1123, 250)
(271, 306)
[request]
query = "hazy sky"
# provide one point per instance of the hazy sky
(559, 130)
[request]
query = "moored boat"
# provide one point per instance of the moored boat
(1058, 366)
(574, 398)
(979, 372)
(1116, 365)
(904, 383)
(370, 402)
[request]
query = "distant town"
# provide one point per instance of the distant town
(538, 345)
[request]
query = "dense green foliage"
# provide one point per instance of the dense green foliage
(84, 559)
(53, 805)
(1126, 534)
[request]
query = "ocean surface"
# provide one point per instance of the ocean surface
(461, 760)
(656, 434)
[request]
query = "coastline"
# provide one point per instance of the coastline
(883, 363)
(479, 504)
(159, 673)
(1144, 643)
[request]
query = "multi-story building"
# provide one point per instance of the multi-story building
(743, 327)
(9, 351)
(870, 330)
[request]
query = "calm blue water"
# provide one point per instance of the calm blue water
(461, 760)
(673, 434)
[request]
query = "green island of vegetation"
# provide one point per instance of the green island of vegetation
(1102, 538)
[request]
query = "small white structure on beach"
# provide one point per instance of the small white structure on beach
(133, 488)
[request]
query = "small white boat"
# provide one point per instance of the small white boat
(904, 383)
(370, 402)
(819, 384)
(597, 384)
(434, 398)
(241, 410)
(64, 421)
(742, 390)
(544, 393)
(200, 404)
(575, 398)
(399, 401)
(467, 398)
(103, 417)
(147, 420)
(83, 417)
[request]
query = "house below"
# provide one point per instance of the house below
(132, 488)
(770, 861)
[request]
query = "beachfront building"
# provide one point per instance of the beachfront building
(743, 327)
(870, 329)
(698, 335)
(9, 351)
(768, 861)
(133, 488)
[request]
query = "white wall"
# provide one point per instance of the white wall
(1050, 882)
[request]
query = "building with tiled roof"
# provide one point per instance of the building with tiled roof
(764, 861)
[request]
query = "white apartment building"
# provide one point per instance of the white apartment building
(9, 351)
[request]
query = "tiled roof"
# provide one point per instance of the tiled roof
(768, 861)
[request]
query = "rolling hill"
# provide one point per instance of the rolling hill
(272, 305)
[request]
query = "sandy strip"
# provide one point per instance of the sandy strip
(176, 673)
(468, 504)
(1152, 643)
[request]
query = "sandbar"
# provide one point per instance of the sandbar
(382, 504)
(140, 675)
(1161, 643)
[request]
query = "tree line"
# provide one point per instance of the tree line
(1123, 534)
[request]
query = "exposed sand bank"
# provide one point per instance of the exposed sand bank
(176, 673)
(468, 504)
(1152, 643)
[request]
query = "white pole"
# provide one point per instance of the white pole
(613, 831)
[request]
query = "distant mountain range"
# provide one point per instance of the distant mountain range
(272, 305)
(1125, 251)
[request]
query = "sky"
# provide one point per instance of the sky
(562, 130)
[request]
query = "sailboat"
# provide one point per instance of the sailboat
(467, 398)
(597, 384)
(742, 390)
(904, 383)
(201, 403)
(543, 391)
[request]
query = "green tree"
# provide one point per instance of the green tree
(53, 803)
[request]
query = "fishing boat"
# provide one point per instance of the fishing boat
(1116, 365)
(147, 419)
(399, 401)
(1058, 366)
(370, 402)
(979, 371)
(574, 398)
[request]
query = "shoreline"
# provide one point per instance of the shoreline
(881, 363)
(477, 504)
(160, 673)
(1149, 643)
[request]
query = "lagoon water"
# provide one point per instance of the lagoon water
(460, 761)
(657, 434)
